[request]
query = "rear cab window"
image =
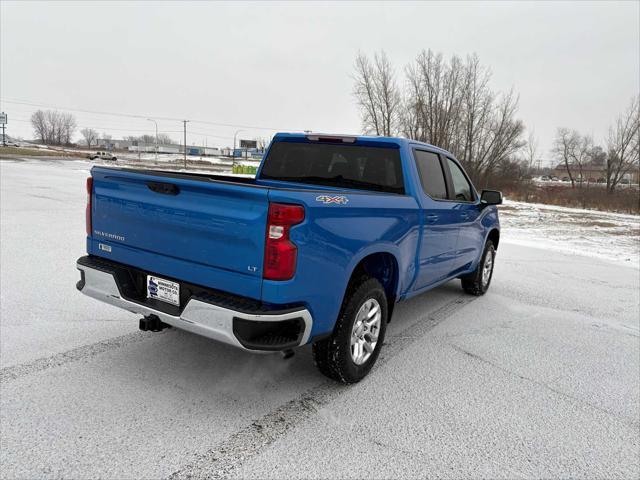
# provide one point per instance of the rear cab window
(335, 165)
(431, 174)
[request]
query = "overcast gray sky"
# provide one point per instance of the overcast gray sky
(287, 66)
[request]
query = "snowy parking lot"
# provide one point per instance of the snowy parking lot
(538, 378)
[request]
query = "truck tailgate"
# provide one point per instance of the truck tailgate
(198, 230)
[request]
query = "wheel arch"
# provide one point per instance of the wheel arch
(383, 266)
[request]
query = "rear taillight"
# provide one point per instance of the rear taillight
(280, 254)
(88, 211)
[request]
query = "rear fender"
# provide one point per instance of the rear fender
(389, 248)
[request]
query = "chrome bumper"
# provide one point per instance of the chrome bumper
(206, 319)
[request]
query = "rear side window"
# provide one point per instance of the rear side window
(461, 187)
(431, 174)
(342, 166)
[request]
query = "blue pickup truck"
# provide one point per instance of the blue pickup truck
(318, 248)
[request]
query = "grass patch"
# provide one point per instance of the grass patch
(37, 152)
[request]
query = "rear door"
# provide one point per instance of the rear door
(440, 221)
(194, 229)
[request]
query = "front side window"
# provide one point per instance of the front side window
(462, 190)
(431, 174)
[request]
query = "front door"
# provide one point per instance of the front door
(471, 234)
(440, 221)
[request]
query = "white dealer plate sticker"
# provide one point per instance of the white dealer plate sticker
(163, 290)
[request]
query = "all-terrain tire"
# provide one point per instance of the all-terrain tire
(475, 283)
(333, 355)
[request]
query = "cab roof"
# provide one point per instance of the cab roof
(358, 139)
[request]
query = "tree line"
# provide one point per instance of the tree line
(51, 127)
(619, 157)
(449, 102)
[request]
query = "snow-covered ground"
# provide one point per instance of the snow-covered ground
(538, 378)
(133, 157)
(610, 236)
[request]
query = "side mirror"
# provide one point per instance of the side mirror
(490, 197)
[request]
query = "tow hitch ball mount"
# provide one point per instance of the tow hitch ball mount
(152, 323)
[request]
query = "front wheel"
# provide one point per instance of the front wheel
(352, 350)
(477, 282)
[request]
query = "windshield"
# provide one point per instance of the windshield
(335, 165)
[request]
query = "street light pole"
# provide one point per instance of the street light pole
(185, 143)
(152, 120)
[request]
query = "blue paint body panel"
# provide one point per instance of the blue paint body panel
(212, 232)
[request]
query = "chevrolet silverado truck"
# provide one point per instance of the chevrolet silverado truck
(317, 249)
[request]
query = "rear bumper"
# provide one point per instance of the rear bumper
(246, 324)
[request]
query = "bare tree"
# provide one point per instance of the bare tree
(90, 136)
(531, 150)
(377, 94)
(164, 139)
(574, 151)
(447, 103)
(52, 127)
(500, 140)
(476, 114)
(68, 127)
(387, 93)
(39, 124)
(147, 139)
(598, 156)
(262, 143)
(563, 145)
(582, 155)
(623, 145)
(436, 95)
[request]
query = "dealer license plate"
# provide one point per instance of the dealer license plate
(164, 290)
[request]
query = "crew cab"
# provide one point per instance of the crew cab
(102, 156)
(317, 249)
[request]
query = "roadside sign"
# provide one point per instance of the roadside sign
(248, 143)
(3, 118)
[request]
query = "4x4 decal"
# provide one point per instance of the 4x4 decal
(339, 199)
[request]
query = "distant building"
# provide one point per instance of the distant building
(149, 148)
(590, 173)
(112, 144)
(204, 151)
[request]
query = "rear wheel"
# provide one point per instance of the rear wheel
(477, 282)
(350, 353)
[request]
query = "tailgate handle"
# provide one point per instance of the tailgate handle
(164, 188)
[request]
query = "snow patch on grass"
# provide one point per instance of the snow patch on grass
(609, 236)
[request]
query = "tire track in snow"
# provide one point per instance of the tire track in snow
(221, 460)
(74, 355)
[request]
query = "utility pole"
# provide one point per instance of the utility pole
(152, 120)
(3, 121)
(185, 143)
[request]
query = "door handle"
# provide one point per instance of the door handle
(431, 218)
(464, 215)
(163, 188)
